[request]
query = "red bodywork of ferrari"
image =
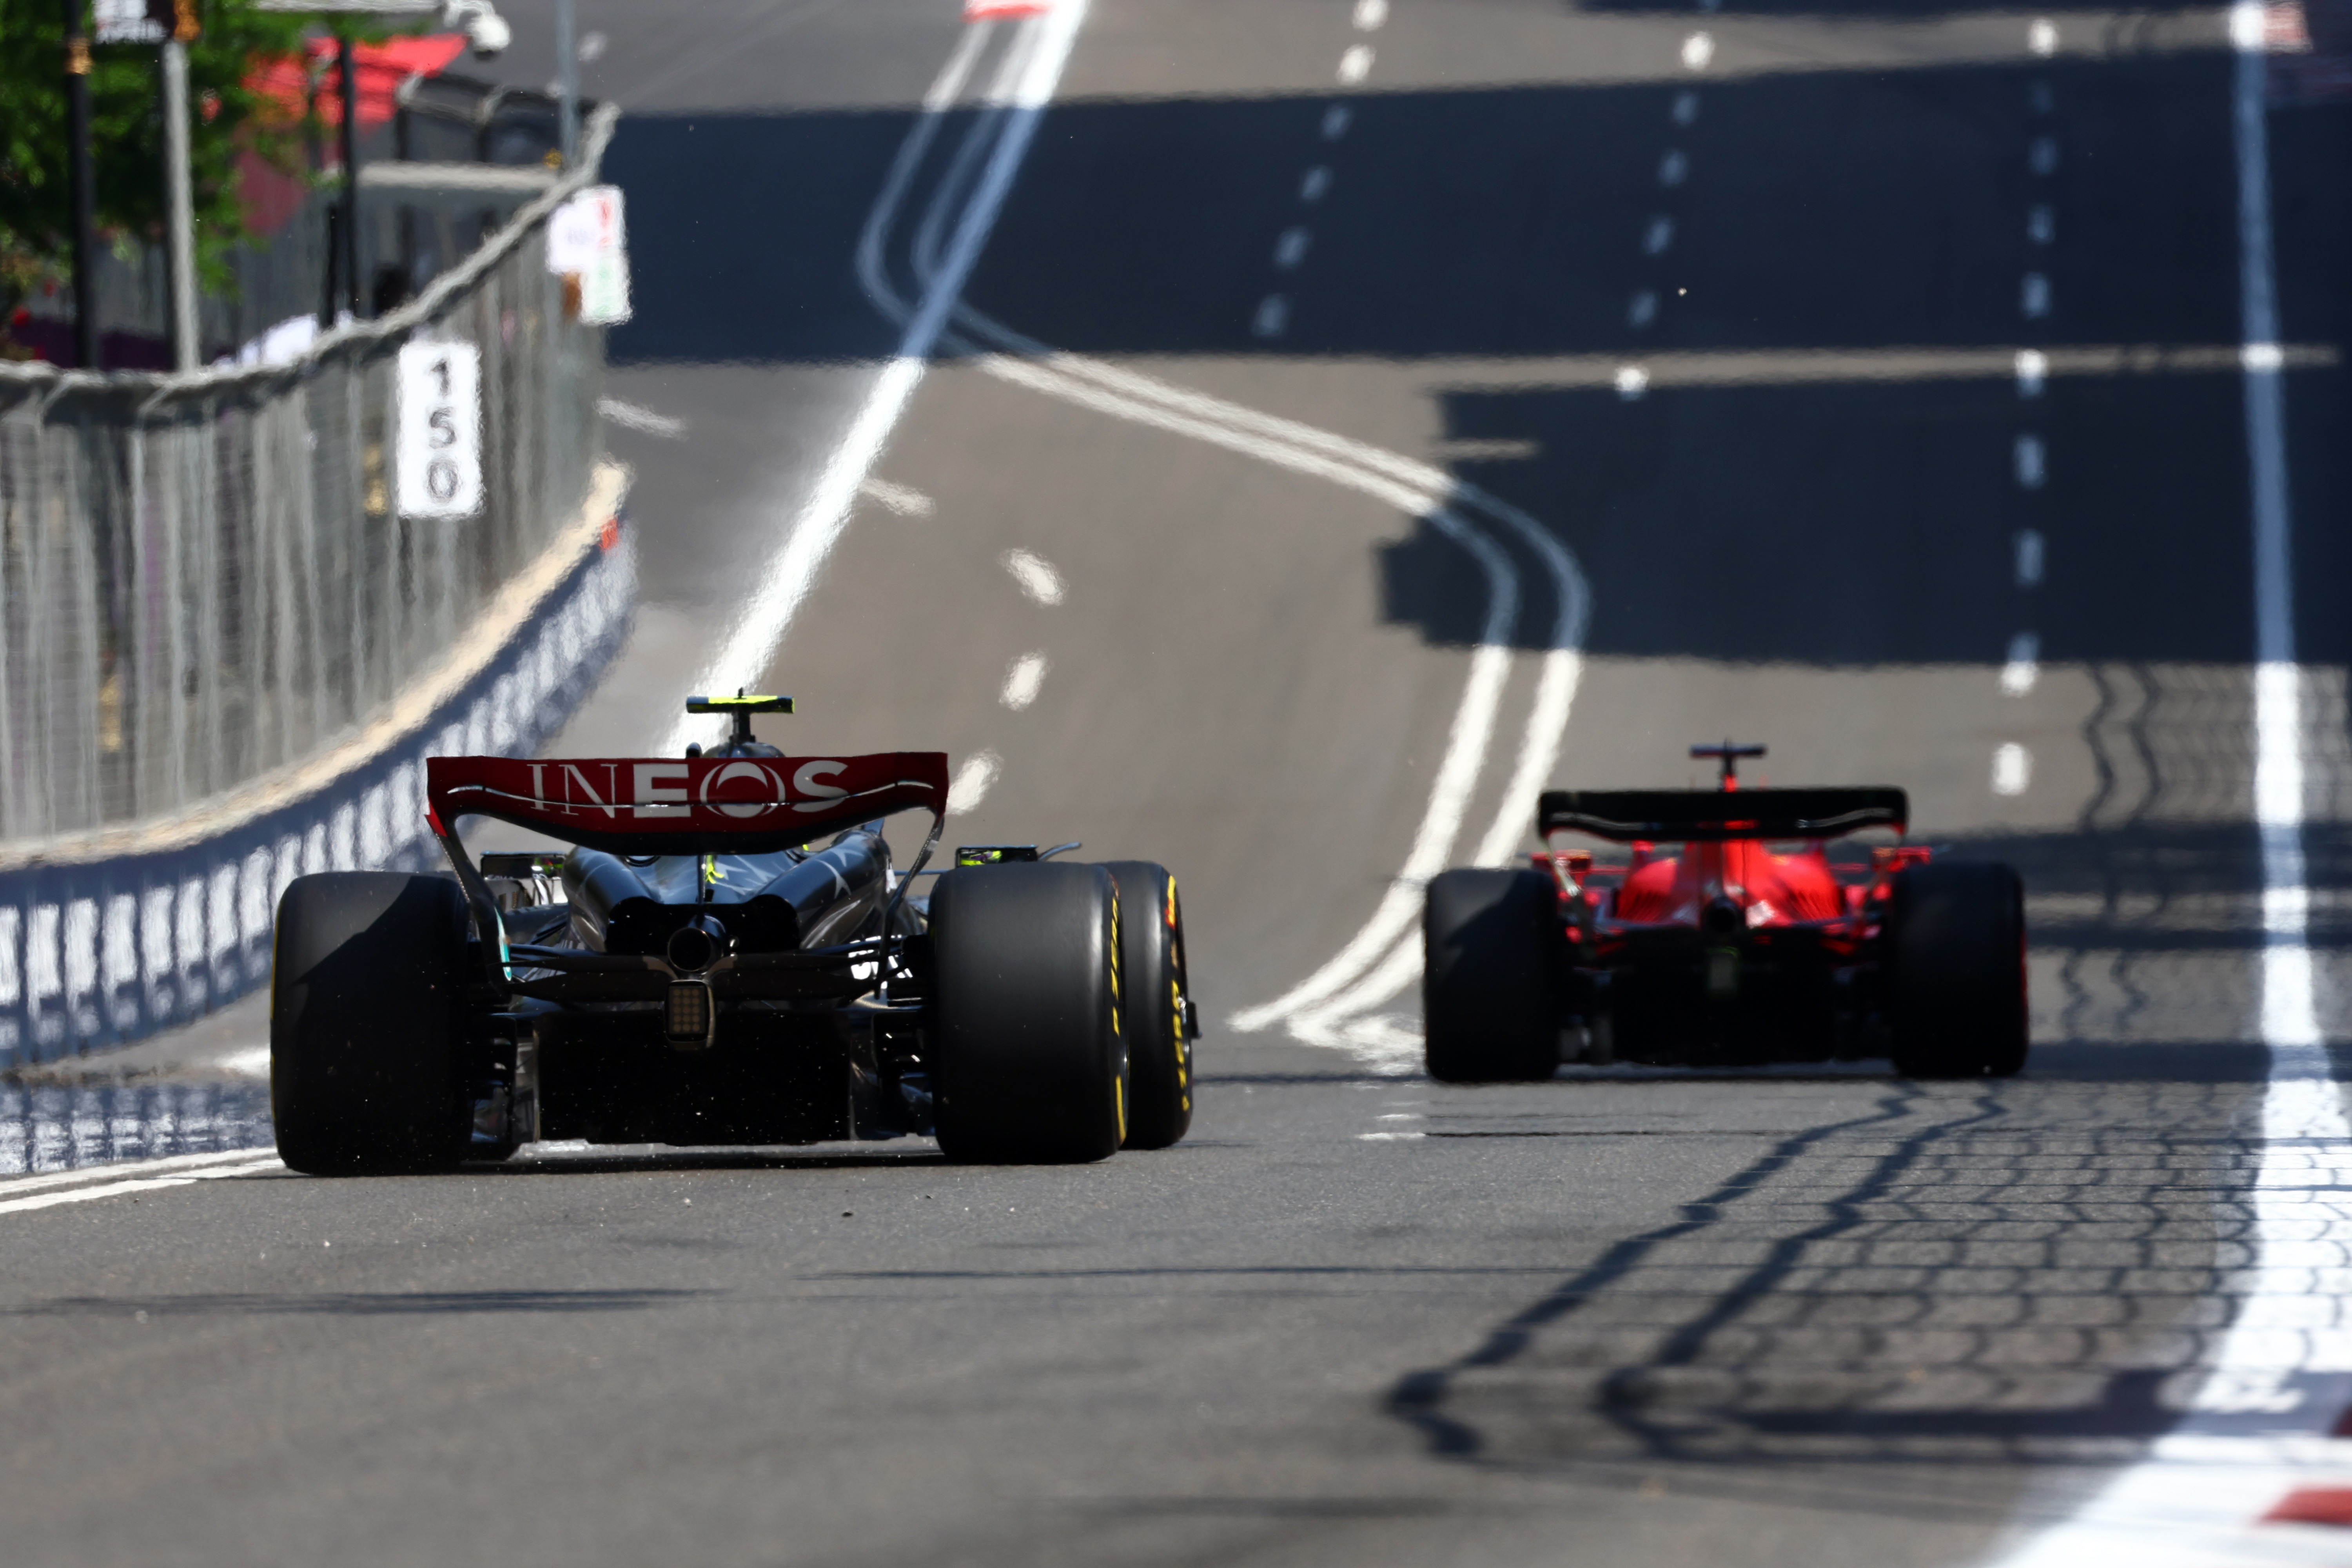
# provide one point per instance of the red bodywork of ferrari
(1743, 943)
(1803, 888)
(1723, 935)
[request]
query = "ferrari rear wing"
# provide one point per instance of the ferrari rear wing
(1700, 816)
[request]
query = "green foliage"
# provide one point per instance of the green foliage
(127, 133)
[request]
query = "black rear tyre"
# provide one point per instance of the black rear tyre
(1151, 989)
(1494, 959)
(367, 1024)
(1031, 1065)
(1956, 970)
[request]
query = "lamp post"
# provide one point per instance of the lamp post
(180, 203)
(567, 77)
(82, 182)
(350, 229)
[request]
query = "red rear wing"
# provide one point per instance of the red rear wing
(1711, 815)
(686, 806)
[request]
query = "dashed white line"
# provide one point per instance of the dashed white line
(631, 416)
(2013, 769)
(1633, 381)
(1022, 678)
(2041, 155)
(1034, 574)
(1686, 110)
(1336, 120)
(1315, 185)
(1290, 247)
(2033, 371)
(1658, 235)
(2040, 224)
(1357, 63)
(2041, 36)
(751, 645)
(1674, 168)
(2200, 1495)
(1273, 318)
(2033, 295)
(906, 502)
(2028, 544)
(1371, 15)
(1328, 1007)
(2032, 462)
(2024, 666)
(972, 781)
(1697, 49)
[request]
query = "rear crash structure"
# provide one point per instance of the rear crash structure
(1742, 942)
(695, 970)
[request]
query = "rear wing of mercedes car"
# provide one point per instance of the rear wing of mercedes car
(672, 806)
(1703, 815)
(690, 805)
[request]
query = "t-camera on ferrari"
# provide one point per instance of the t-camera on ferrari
(1749, 945)
(692, 973)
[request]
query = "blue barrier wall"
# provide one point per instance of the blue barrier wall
(101, 953)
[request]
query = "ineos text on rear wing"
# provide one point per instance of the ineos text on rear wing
(693, 805)
(1701, 816)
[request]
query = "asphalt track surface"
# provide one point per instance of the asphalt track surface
(1713, 352)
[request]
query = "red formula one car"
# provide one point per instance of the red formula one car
(1748, 946)
(692, 971)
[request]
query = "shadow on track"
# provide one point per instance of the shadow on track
(1950, 1278)
(1497, 222)
(355, 1303)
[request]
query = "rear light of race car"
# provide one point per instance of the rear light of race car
(688, 1015)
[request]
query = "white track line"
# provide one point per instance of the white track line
(751, 646)
(872, 276)
(12, 1185)
(2199, 1498)
(1384, 956)
(1003, 90)
(139, 1181)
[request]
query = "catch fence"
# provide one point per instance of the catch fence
(209, 598)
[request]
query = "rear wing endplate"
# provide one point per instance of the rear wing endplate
(1701, 816)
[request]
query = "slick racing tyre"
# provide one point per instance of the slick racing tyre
(1031, 1065)
(1151, 989)
(367, 1024)
(1493, 963)
(1956, 971)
